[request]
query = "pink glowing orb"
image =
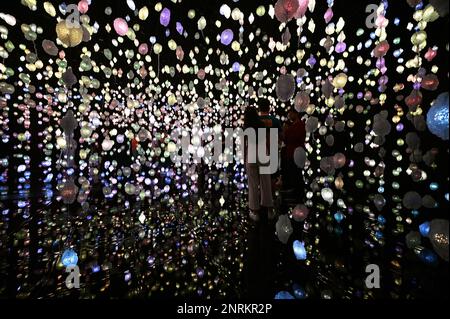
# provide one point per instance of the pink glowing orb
(143, 48)
(121, 26)
(302, 7)
(83, 6)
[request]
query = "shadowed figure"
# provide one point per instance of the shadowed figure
(260, 259)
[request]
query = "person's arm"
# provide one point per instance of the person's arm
(302, 133)
(245, 149)
(280, 128)
(284, 132)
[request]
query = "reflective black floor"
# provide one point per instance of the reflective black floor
(193, 248)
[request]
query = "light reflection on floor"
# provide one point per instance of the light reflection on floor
(128, 250)
(185, 249)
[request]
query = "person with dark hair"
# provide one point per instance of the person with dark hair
(251, 118)
(294, 134)
(259, 185)
(269, 120)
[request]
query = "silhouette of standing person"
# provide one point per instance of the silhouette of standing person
(259, 185)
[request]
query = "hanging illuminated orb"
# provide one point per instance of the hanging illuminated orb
(285, 87)
(437, 117)
(424, 229)
(311, 61)
(338, 216)
(340, 47)
(302, 6)
(328, 15)
(340, 80)
(71, 36)
(299, 292)
(226, 37)
(69, 258)
(300, 212)
(121, 26)
(327, 194)
(49, 47)
(164, 18)
(179, 28)
(439, 237)
(83, 6)
(286, 9)
(299, 250)
(143, 48)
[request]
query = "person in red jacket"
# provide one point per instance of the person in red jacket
(134, 146)
(294, 134)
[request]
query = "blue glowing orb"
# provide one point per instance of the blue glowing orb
(179, 28)
(437, 117)
(299, 250)
(236, 67)
(378, 234)
(226, 37)
(338, 216)
(428, 257)
(424, 229)
(299, 292)
(69, 258)
(434, 186)
(283, 295)
(164, 17)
